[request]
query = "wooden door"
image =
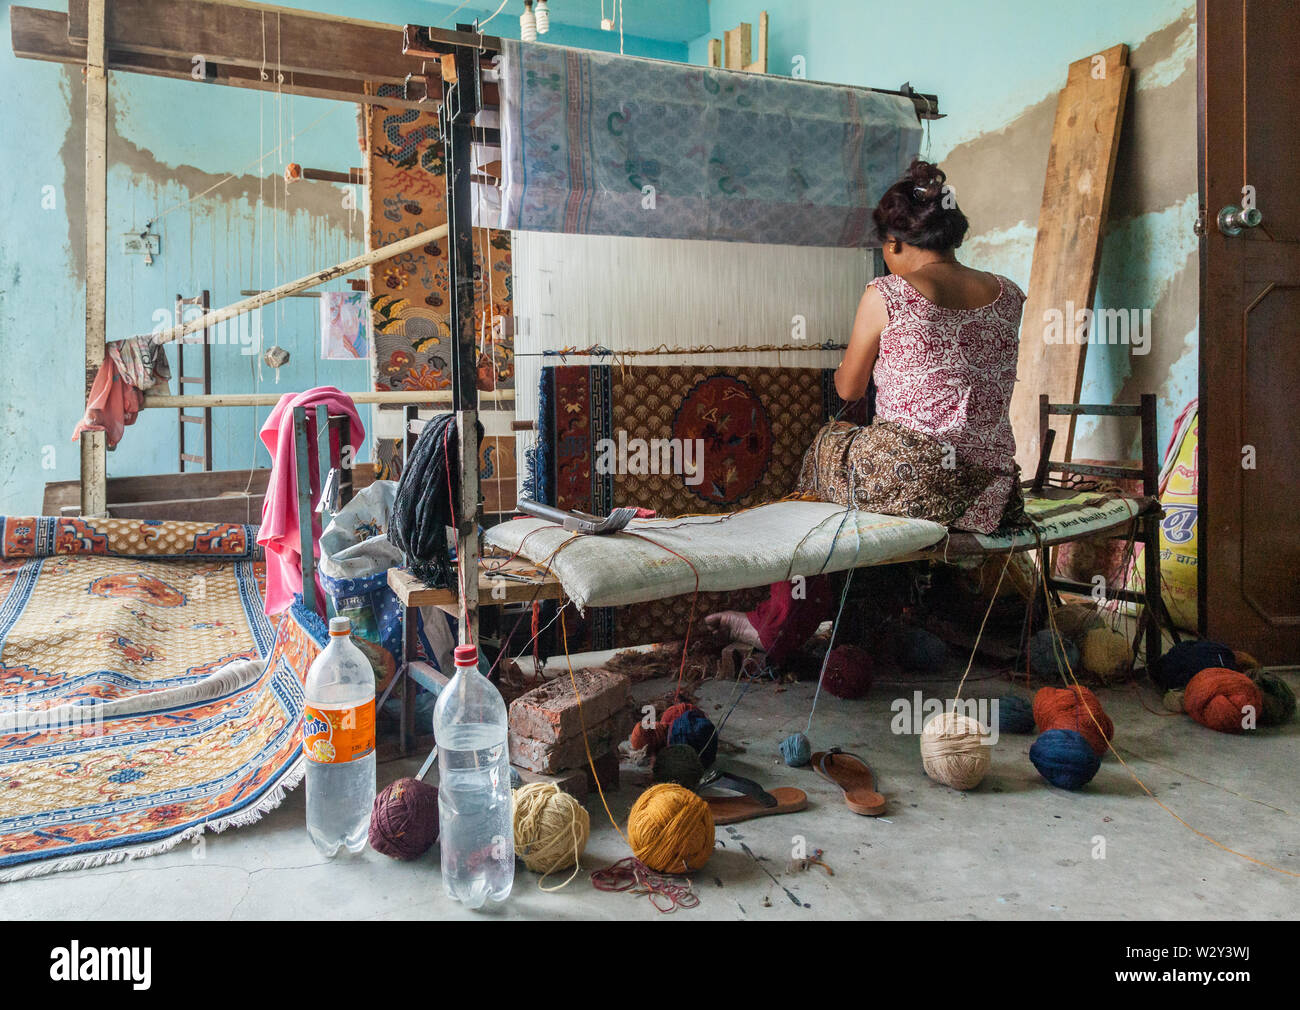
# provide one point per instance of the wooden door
(1249, 123)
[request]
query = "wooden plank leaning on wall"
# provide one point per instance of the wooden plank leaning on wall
(1076, 196)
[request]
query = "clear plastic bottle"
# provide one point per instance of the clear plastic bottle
(338, 741)
(476, 836)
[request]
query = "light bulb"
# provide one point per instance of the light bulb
(543, 17)
(528, 23)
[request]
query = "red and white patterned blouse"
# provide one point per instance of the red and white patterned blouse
(949, 373)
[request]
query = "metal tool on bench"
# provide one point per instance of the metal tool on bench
(579, 522)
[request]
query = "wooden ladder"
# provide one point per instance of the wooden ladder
(204, 419)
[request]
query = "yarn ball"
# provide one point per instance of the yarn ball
(404, 819)
(1218, 698)
(918, 651)
(551, 828)
(672, 712)
(649, 740)
(1015, 714)
(1279, 700)
(1185, 660)
(1244, 662)
(848, 672)
(1173, 700)
(680, 764)
(1045, 650)
(1106, 654)
(1074, 620)
(953, 750)
(1069, 708)
(1065, 758)
(515, 779)
(670, 829)
(796, 750)
(694, 729)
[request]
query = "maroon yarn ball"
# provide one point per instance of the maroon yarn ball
(848, 672)
(404, 821)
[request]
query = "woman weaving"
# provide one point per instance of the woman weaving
(941, 341)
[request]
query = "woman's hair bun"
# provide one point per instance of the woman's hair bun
(920, 210)
(927, 181)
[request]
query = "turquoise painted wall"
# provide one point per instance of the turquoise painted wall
(997, 66)
(170, 141)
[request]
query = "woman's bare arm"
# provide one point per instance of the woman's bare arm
(854, 373)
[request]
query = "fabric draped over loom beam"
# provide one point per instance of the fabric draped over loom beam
(130, 368)
(731, 156)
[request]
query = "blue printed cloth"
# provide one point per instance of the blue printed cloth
(595, 143)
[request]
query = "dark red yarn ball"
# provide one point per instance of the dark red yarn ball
(404, 820)
(848, 672)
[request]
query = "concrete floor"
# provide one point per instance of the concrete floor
(1014, 848)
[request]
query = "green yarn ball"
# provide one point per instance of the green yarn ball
(1279, 700)
(678, 763)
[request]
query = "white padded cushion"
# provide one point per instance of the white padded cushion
(739, 550)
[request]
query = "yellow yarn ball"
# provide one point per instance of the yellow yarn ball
(670, 829)
(1173, 700)
(551, 828)
(953, 750)
(1107, 654)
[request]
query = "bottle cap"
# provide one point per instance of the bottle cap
(340, 626)
(467, 655)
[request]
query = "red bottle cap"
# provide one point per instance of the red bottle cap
(467, 655)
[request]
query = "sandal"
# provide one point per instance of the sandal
(854, 777)
(753, 801)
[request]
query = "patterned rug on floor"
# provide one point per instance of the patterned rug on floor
(144, 695)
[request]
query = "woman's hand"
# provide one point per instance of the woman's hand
(854, 373)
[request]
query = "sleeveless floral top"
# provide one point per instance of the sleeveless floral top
(949, 373)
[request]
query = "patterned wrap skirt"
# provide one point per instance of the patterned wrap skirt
(892, 470)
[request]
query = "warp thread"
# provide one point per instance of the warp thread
(551, 830)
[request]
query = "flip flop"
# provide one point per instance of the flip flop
(854, 777)
(753, 801)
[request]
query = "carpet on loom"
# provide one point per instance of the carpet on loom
(755, 424)
(144, 695)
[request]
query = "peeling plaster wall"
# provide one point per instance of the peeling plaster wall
(997, 66)
(170, 143)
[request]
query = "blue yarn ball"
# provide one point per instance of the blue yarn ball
(1015, 714)
(796, 750)
(1064, 758)
(919, 651)
(694, 729)
(1045, 650)
(1186, 659)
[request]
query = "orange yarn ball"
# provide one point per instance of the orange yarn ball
(1069, 708)
(672, 712)
(643, 738)
(1218, 698)
(670, 829)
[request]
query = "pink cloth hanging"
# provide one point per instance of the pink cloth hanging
(279, 532)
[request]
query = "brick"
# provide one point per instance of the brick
(550, 757)
(550, 713)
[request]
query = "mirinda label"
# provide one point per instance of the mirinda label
(338, 735)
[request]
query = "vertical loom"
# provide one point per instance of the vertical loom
(462, 98)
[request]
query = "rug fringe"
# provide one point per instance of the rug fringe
(273, 797)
